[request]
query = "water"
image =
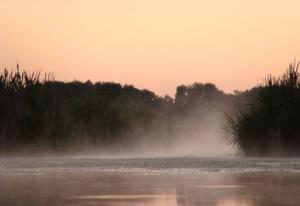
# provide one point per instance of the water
(149, 181)
(147, 165)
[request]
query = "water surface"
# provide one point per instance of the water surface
(149, 181)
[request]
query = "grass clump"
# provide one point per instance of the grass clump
(269, 124)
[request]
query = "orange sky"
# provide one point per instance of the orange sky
(153, 44)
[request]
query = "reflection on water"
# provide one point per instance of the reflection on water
(231, 201)
(133, 200)
(132, 189)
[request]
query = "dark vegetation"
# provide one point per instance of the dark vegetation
(39, 114)
(268, 123)
(42, 114)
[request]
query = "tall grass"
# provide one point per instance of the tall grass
(37, 111)
(269, 123)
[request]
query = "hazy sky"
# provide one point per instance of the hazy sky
(153, 44)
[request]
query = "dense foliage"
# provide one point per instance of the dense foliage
(41, 113)
(269, 123)
(44, 114)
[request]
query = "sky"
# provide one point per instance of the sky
(152, 44)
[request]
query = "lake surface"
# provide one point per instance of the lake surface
(149, 181)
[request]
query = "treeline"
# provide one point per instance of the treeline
(43, 112)
(268, 121)
(38, 113)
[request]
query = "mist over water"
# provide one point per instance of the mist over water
(140, 150)
(190, 136)
(199, 132)
(176, 154)
(104, 134)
